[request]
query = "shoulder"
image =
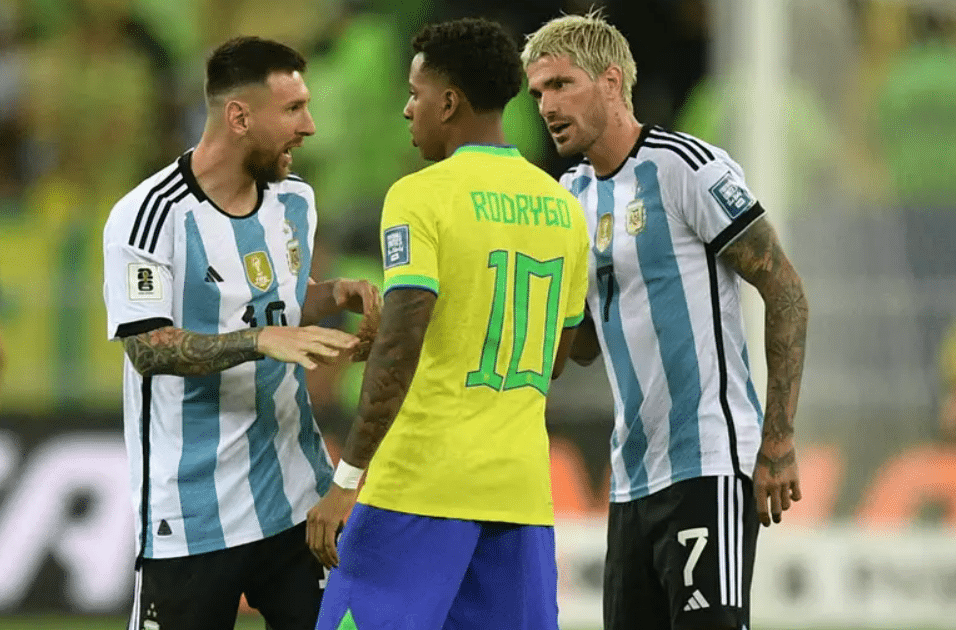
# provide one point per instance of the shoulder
(681, 151)
(421, 184)
(576, 172)
(164, 185)
(684, 160)
(294, 184)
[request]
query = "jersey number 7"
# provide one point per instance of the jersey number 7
(524, 268)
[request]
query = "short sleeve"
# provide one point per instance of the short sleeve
(409, 236)
(138, 284)
(718, 205)
(578, 282)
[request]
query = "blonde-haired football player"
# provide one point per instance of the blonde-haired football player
(695, 460)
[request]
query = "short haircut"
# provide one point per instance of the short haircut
(476, 56)
(590, 42)
(246, 61)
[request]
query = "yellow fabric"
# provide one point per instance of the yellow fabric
(478, 229)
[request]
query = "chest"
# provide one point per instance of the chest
(252, 270)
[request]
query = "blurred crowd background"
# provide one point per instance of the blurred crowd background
(97, 94)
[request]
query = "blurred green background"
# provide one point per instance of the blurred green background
(842, 112)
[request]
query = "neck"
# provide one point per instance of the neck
(482, 129)
(610, 150)
(218, 168)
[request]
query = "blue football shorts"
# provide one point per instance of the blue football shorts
(404, 571)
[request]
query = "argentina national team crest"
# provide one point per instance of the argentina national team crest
(635, 216)
(605, 230)
(293, 251)
(258, 270)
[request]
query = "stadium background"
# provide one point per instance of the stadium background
(842, 112)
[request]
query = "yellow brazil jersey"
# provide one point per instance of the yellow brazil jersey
(504, 247)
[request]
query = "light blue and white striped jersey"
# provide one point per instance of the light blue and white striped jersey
(233, 457)
(667, 311)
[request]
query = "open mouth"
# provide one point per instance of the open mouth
(557, 128)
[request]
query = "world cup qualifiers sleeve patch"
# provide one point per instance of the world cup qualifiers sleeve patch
(143, 282)
(732, 197)
(397, 246)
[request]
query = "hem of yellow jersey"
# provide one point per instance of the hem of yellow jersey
(463, 514)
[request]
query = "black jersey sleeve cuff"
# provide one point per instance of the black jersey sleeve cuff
(735, 229)
(144, 325)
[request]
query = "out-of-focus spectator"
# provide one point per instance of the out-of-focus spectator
(812, 139)
(916, 117)
(361, 143)
(99, 130)
(13, 167)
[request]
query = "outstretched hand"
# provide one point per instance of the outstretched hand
(307, 345)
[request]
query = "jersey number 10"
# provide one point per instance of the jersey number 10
(524, 267)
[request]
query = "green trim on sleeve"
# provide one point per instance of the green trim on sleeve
(571, 322)
(411, 282)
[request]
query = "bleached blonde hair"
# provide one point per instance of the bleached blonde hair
(590, 42)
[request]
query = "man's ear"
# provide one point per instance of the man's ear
(237, 117)
(611, 81)
(451, 103)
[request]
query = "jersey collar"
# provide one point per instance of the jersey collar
(501, 150)
(185, 166)
(641, 137)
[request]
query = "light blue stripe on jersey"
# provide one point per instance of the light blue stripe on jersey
(632, 397)
(197, 464)
(297, 213)
(265, 474)
(671, 317)
(751, 390)
(578, 185)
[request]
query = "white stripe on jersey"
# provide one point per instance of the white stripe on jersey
(667, 311)
(234, 456)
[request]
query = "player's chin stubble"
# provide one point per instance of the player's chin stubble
(263, 168)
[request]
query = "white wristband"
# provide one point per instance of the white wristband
(347, 476)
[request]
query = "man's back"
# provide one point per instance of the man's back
(504, 247)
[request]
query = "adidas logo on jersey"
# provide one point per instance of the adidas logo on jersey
(212, 275)
(696, 602)
(164, 529)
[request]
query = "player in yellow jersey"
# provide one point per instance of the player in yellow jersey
(485, 263)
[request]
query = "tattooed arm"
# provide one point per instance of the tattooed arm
(170, 350)
(388, 375)
(759, 259)
(176, 351)
(389, 371)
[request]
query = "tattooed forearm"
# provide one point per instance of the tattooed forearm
(758, 258)
(183, 353)
(389, 370)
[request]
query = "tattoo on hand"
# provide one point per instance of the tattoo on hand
(171, 350)
(777, 465)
